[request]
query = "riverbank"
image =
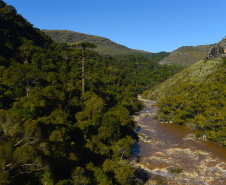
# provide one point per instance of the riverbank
(171, 154)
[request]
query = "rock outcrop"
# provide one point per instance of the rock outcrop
(213, 51)
(224, 52)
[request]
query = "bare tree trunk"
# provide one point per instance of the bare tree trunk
(83, 70)
(27, 90)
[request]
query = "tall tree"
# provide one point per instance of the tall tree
(84, 45)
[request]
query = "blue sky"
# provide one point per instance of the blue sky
(150, 25)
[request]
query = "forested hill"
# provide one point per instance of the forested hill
(196, 97)
(19, 40)
(51, 132)
(186, 55)
(105, 46)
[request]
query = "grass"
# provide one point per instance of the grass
(195, 73)
(186, 55)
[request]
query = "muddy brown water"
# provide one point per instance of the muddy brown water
(163, 146)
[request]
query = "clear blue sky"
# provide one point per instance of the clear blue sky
(150, 25)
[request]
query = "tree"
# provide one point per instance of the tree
(22, 75)
(84, 45)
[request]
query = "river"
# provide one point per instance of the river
(171, 154)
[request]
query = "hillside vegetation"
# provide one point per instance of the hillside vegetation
(195, 97)
(186, 55)
(105, 46)
(50, 131)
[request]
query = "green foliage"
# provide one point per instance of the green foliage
(143, 73)
(22, 75)
(197, 101)
(122, 171)
(85, 45)
(175, 170)
(186, 55)
(224, 60)
(195, 73)
(51, 132)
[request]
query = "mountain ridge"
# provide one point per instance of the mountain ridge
(105, 45)
(186, 55)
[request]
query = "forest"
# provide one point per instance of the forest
(196, 98)
(51, 132)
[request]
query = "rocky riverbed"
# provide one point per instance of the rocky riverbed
(171, 154)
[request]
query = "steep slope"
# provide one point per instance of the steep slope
(196, 73)
(105, 46)
(51, 132)
(196, 97)
(18, 37)
(186, 55)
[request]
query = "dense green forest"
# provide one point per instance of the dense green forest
(51, 132)
(196, 97)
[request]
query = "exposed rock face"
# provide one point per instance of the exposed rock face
(213, 51)
(224, 49)
(224, 52)
(216, 50)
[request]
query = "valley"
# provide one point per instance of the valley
(70, 115)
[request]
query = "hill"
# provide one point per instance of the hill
(105, 46)
(51, 132)
(195, 97)
(18, 37)
(186, 55)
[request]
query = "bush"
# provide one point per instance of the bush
(174, 170)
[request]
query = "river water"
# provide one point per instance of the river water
(174, 155)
